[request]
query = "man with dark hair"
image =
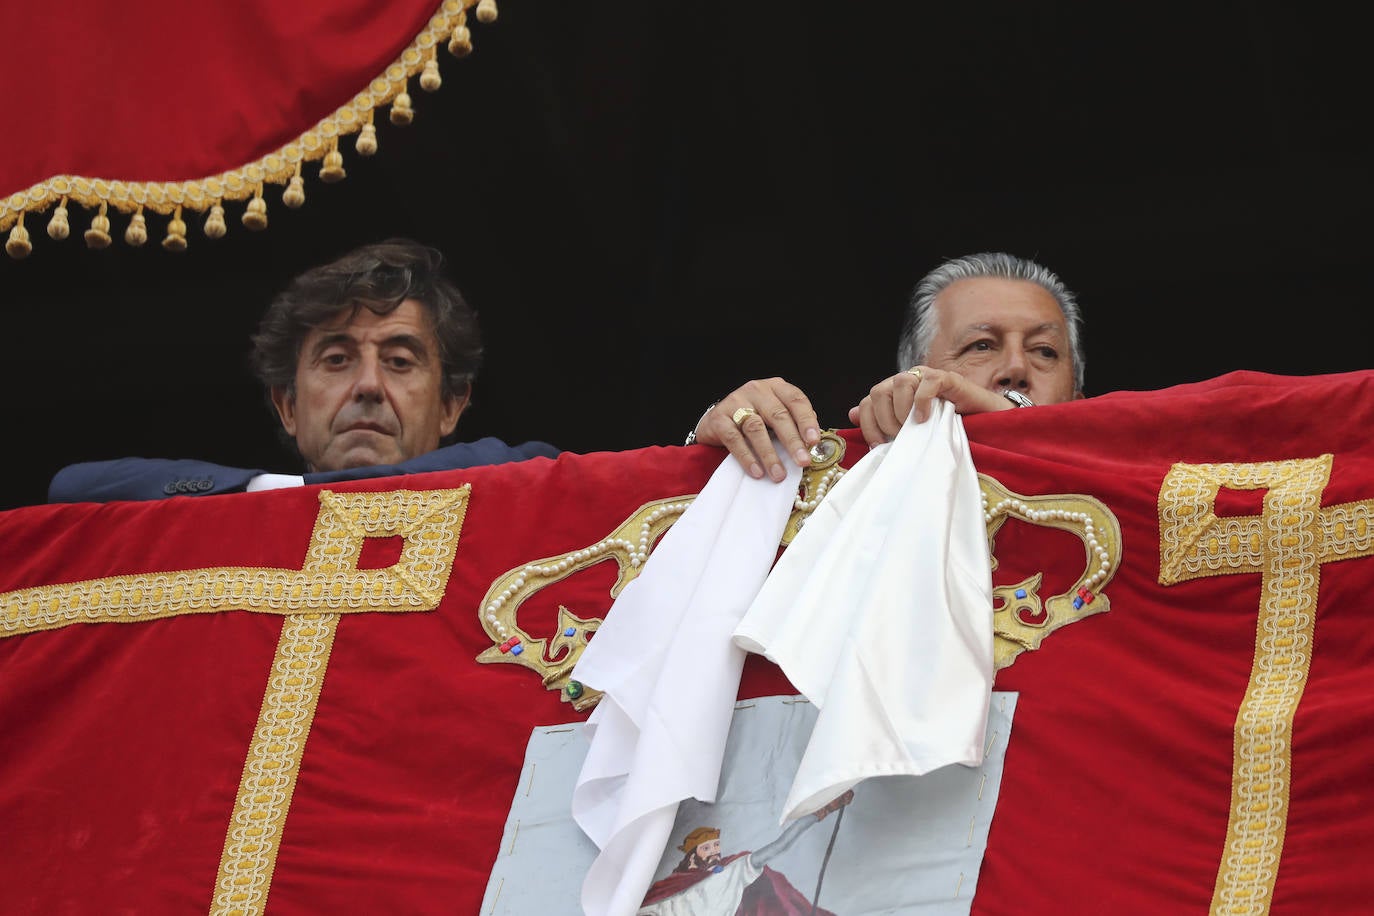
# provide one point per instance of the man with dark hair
(368, 362)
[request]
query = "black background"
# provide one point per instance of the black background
(650, 203)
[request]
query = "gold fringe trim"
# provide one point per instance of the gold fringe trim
(447, 26)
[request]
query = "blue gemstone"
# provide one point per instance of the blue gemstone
(1020, 593)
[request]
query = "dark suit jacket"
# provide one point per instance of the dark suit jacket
(158, 478)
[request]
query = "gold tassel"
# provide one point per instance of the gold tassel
(215, 227)
(430, 80)
(333, 169)
(98, 236)
(294, 195)
(18, 245)
(486, 11)
(367, 138)
(401, 112)
(137, 231)
(460, 42)
(176, 233)
(59, 227)
(255, 217)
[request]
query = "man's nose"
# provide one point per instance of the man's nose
(367, 382)
(1015, 371)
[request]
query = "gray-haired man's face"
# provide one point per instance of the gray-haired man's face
(1003, 334)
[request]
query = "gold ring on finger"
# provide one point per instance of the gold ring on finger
(744, 413)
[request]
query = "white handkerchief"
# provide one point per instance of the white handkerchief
(274, 482)
(880, 612)
(669, 670)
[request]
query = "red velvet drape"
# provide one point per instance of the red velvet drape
(1140, 733)
(163, 105)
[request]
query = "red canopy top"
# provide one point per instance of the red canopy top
(189, 106)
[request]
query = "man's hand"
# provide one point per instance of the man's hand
(881, 414)
(778, 406)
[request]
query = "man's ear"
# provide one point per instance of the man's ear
(285, 402)
(454, 405)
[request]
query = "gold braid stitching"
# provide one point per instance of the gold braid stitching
(1347, 530)
(277, 167)
(328, 585)
(273, 764)
(1287, 544)
(1283, 653)
(429, 521)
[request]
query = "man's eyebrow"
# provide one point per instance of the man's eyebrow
(973, 330)
(331, 339)
(988, 327)
(1051, 327)
(413, 342)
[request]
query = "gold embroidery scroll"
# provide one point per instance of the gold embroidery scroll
(1021, 621)
(554, 656)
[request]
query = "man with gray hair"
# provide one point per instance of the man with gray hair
(987, 331)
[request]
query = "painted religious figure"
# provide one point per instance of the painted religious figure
(706, 884)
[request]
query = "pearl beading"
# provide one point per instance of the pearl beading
(1021, 509)
(636, 553)
(554, 656)
(827, 480)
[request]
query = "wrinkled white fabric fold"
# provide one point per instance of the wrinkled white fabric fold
(669, 670)
(880, 613)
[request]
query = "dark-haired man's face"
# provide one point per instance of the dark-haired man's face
(369, 391)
